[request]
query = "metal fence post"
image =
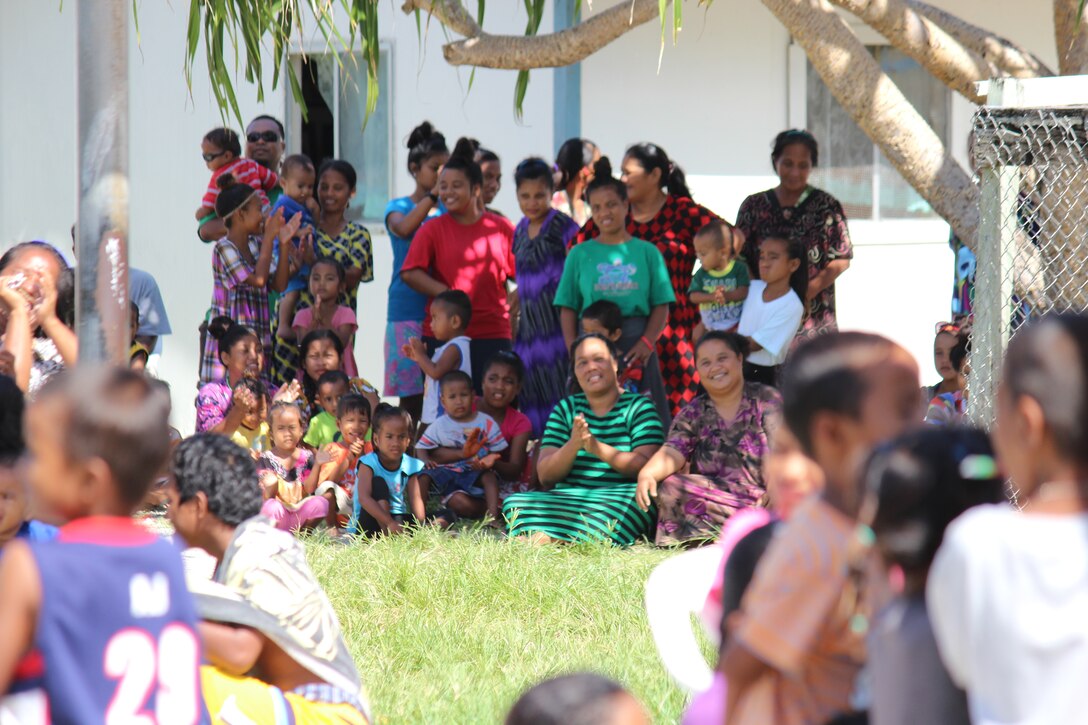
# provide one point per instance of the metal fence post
(102, 308)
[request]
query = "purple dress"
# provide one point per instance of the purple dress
(726, 459)
(539, 340)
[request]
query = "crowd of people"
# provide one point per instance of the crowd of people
(574, 376)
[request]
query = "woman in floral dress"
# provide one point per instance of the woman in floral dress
(723, 436)
(802, 212)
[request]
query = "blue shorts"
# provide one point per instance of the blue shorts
(446, 481)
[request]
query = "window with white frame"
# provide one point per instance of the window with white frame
(852, 168)
(334, 87)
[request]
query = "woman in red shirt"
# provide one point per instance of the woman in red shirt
(469, 250)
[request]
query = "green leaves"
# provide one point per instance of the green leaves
(535, 10)
(250, 28)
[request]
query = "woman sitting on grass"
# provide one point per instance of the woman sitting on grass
(722, 437)
(594, 445)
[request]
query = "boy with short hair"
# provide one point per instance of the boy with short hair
(605, 318)
(451, 312)
(795, 649)
(98, 624)
(331, 386)
(336, 479)
(460, 449)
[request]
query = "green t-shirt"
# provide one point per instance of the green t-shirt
(323, 429)
(734, 276)
(632, 274)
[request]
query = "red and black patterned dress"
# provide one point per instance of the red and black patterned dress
(673, 231)
(820, 223)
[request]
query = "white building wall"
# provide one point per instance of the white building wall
(38, 195)
(721, 95)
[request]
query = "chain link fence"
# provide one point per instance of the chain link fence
(1032, 256)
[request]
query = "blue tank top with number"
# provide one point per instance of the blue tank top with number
(116, 638)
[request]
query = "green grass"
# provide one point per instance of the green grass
(453, 630)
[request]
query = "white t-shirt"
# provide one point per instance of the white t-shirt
(772, 324)
(432, 408)
(1008, 601)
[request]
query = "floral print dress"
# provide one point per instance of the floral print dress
(725, 458)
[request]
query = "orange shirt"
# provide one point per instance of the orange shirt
(795, 621)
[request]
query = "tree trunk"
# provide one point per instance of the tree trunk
(878, 106)
(1013, 59)
(520, 52)
(943, 56)
(1071, 34)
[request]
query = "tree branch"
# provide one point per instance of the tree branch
(943, 56)
(1010, 57)
(519, 52)
(1071, 34)
(878, 106)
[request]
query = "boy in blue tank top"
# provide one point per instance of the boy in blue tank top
(97, 624)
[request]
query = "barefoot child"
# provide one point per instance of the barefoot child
(720, 286)
(222, 152)
(774, 308)
(288, 474)
(98, 624)
(297, 183)
(503, 378)
(336, 479)
(327, 280)
(796, 649)
(460, 450)
(451, 312)
(388, 492)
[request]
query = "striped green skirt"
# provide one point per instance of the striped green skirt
(572, 512)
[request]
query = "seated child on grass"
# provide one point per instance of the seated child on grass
(388, 491)
(336, 479)
(460, 450)
(288, 474)
(252, 432)
(98, 625)
(502, 382)
(331, 386)
(451, 312)
(720, 286)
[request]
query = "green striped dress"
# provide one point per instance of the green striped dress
(595, 502)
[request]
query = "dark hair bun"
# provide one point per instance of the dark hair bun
(219, 326)
(225, 181)
(602, 169)
(465, 148)
(421, 134)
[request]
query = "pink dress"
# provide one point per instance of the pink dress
(342, 316)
